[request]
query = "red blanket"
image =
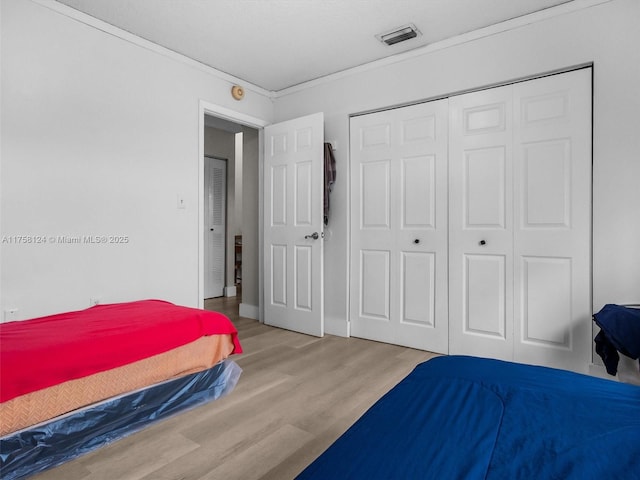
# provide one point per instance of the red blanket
(46, 351)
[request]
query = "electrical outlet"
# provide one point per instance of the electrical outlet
(9, 314)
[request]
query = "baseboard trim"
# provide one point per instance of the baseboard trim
(249, 311)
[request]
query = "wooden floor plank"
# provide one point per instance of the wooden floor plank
(267, 452)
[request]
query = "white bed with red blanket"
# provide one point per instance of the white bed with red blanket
(61, 363)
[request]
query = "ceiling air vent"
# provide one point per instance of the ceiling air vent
(399, 34)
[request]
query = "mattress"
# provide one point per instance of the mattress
(477, 418)
(69, 436)
(55, 364)
(47, 403)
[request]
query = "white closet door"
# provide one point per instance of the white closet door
(480, 224)
(399, 226)
(552, 220)
(520, 230)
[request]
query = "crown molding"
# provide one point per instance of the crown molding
(562, 9)
(551, 12)
(148, 45)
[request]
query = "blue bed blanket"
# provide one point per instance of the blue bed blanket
(460, 417)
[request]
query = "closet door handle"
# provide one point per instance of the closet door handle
(482, 242)
(416, 241)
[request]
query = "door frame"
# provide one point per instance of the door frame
(212, 109)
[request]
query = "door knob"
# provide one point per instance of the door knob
(314, 236)
(211, 229)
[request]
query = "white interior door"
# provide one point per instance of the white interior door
(399, 226)
(215, 207)
(293, 222)
(520, 222)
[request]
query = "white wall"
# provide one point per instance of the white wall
(99, 137)
(607, 35)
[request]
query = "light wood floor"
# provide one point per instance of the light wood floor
(296, 395)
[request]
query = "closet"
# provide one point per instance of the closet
(471, 223)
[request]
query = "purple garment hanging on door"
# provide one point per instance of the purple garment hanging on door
(329, 177)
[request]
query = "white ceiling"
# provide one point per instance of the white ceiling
(276, 44)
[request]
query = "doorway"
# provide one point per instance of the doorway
(221, 127)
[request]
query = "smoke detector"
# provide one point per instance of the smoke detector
(399, 34)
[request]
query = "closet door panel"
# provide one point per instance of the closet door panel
(374, 199)
(485, 296)
(546, 301)
(552, 227)
(374, 282)
(546, 185)
(484, 188)
(418, 288)
(480, 224)
(399, 226)
(418, 192)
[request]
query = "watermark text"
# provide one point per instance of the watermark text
(64, 239)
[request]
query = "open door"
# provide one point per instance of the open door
(293, 223)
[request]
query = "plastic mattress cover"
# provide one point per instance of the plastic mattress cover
(52, 443)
